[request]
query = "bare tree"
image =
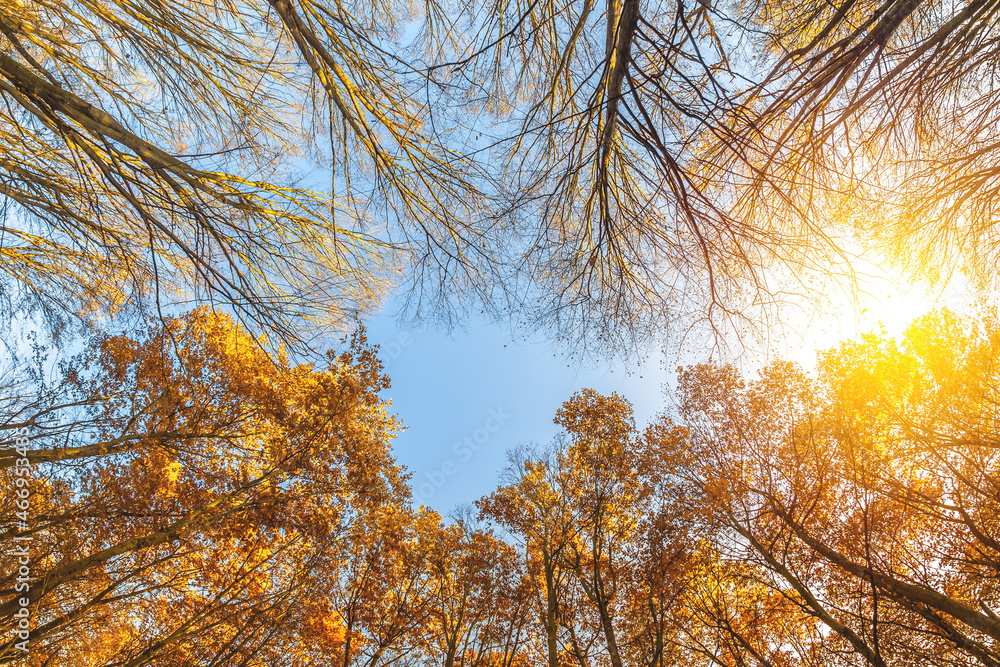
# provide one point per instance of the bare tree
(151, 155)
(678, 156)
(600, 167)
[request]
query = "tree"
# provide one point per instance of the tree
(864, 495)
(380, 589)
(842, 519)
(643, 161)
(700, 159)
(602, 470)
(608, 553)
(479, 608)
(612, 106)
(208, 503)
(149, 157)
(530, 506)
(189, 514)
(883, 112)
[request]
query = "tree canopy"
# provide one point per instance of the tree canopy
(600, 167)
(209, 505)
(242, 176)
(186, 492)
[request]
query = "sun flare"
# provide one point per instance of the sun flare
(879, 297)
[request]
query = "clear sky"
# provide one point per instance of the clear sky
(468, 396)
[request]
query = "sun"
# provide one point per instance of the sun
(879, 297)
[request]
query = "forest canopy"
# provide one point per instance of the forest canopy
(212, 506)
(196, 195)
(599, 168)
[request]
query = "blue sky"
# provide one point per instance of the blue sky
(468, 396)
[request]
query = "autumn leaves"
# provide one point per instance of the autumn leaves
(786, 520)
(198, 501)
(862, 496)
(193, 490)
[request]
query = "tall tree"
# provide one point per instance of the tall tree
(866, 495)
(683, 157)
(187, 514)
(479, 607)
(150, 155)
(602, 474)
(642, 161)
(609, 556)
(530, 506)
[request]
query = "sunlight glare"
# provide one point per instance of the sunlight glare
(883, 298)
